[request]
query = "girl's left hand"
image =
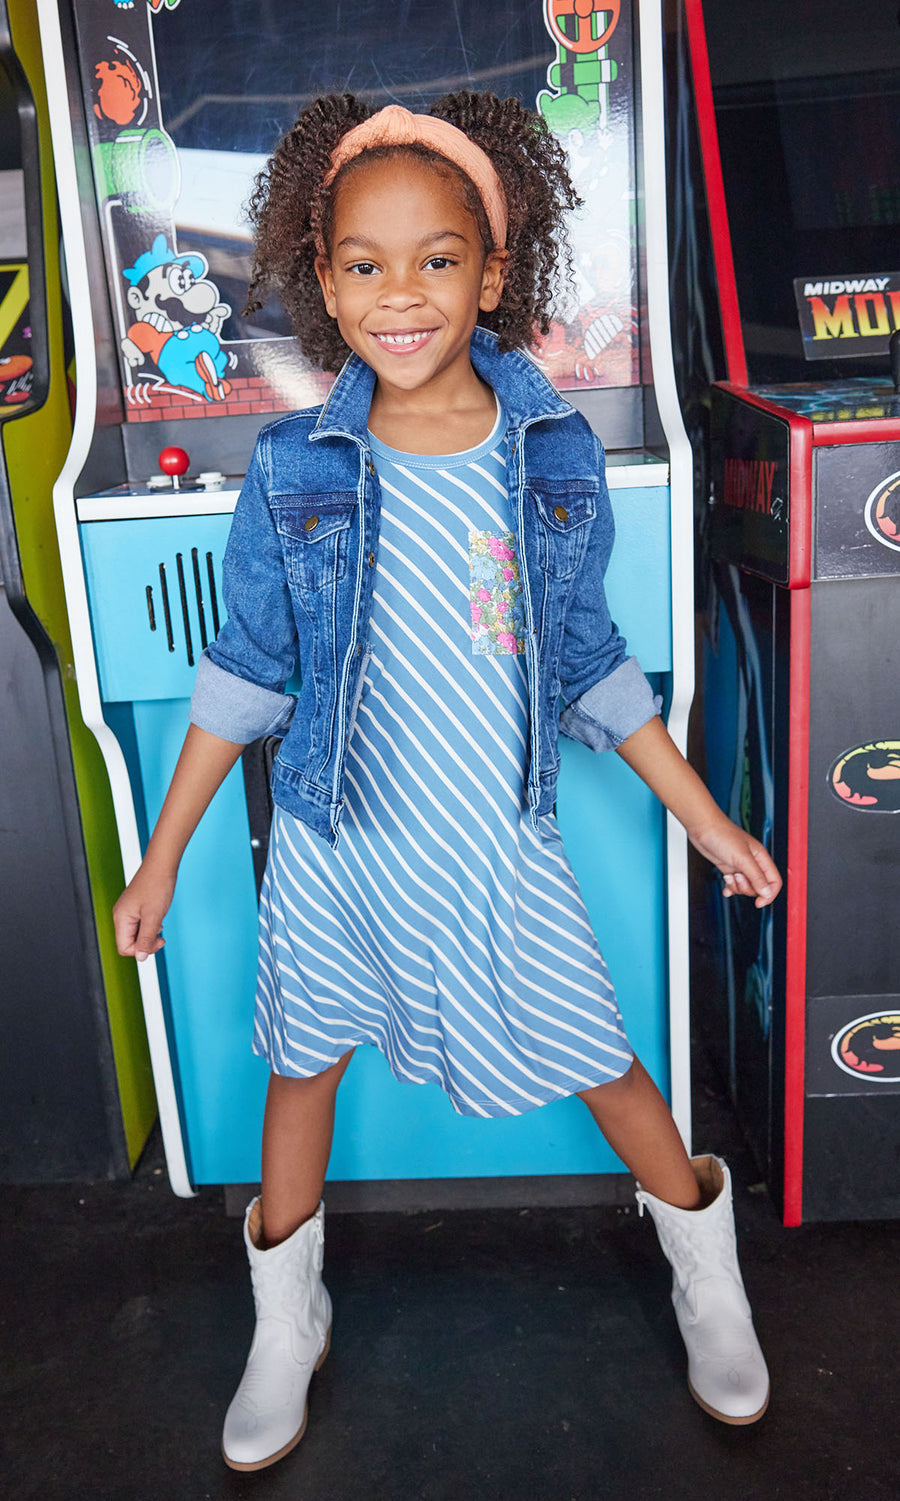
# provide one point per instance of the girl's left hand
(747, 866)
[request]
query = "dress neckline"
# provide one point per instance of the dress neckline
(443, 460)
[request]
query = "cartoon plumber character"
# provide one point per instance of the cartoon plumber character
(178, 316)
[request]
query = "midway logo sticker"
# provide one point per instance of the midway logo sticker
(843, 316)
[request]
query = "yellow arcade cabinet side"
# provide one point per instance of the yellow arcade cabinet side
(76, 1095)
(157, 141)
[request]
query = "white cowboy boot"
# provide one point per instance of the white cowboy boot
(726, 1370)
(267, 1416)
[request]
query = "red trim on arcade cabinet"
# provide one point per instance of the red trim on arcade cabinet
(800, 447)
(797, 854)
(800, 521)
(732, 333)
(867, 430)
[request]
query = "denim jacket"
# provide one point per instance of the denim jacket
(300, 566)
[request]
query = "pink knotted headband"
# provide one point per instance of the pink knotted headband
(396, 126)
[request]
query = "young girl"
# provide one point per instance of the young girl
(430, 546)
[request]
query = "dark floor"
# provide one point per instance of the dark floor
(494, 1354)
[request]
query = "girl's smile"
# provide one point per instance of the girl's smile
(408, 276)
(403, 343)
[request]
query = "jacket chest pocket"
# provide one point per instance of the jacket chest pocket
(315, 534)
(564, 516)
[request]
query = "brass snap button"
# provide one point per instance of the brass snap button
(560, 513)
(310, 523)
(371, 560)
(372, 468)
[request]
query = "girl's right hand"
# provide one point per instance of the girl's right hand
(202, 767)
(139, 912)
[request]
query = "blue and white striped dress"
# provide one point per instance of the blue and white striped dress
(443, 928)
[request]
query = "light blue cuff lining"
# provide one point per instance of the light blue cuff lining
(611, 710)
(234, 709)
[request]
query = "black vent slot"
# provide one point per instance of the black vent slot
(198, 591)
(186, 619)
(213, 597)
(191, 594)
(167, 613)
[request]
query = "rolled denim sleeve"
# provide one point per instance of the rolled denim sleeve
(236, 709)
(612, 709)
(605, 694)
(239, 691)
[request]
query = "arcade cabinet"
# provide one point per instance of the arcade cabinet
(800, 578)
(162, 114)
(76, 1094)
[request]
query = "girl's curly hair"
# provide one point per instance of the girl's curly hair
(289, 202)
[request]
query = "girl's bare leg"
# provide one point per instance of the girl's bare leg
(638, 1125)
(296, 1145)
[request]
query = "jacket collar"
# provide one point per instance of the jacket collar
(524, 391)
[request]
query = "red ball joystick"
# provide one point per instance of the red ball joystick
(174, 461)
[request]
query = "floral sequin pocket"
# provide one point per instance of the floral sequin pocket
(495, 594)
